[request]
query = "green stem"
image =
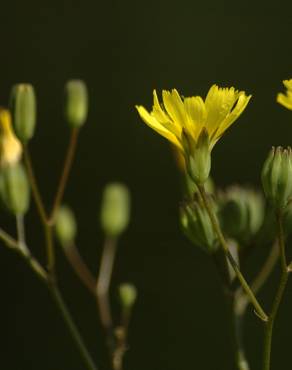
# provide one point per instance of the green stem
(259, 310)
(278, 297)
(24, 253)
(72, 328)
(48, 224)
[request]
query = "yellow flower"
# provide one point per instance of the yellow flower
(10, 146)
(193, 115)
(194, 125)
(286, 100)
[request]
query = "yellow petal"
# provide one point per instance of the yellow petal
(288, 84)
(163, 118)
(285, 100)
(10, 146)
(234, 114)
(174, 107)
(196, 115)
(158, 127)
(219, 102)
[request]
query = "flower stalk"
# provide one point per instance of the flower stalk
(269, 325)
(258, 309)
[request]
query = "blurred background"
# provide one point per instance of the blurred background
(123, 50)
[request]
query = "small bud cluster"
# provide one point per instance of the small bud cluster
(277, 177)
(196, 225)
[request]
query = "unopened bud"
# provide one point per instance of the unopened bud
(76, 103)
(115, 209)
(128, 295)
(241, 213)
(14, 189)
(23, 110)
(10, 146)
(277, 176)
(65, 226)
(197, 226)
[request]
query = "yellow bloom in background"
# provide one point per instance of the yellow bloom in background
(286, 100)
(10, 146)
(194, 125)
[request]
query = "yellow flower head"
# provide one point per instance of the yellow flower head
(10, 146)
(191, 116)
(286, 100)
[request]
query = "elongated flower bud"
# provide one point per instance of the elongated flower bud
(14, 189)
(76, 103)
(277, 176)
(115, 209)
(66, 227)
(128, 295)
(197, 226)
(10, 146)
(23, 110)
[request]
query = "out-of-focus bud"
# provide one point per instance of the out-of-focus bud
(115, 209)
(10, 146)
(197, 157)
(277, 176)
(197, 226)
(241, 213)
(65, 226)
(14, 189)
(23, 110)
(76, 103)
(128, 295)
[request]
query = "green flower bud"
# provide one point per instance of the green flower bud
(128, 295)
(65, 226)
(23, 110)
(76, 103)
(241, 213)
(197, 156)
(277, 176)
(115, 209)
(14, 189)
(197, 226)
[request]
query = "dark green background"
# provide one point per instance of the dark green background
(124, 49)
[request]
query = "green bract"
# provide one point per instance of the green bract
(277, 176)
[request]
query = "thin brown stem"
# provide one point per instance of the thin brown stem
(258, 308)
(34, 186)
(82, 271)
(65, 173)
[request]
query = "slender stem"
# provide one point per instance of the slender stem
(50, 251)
(34, 186)
(242, 300)
(240, 357)
(51, 275)
(102, 290)
(278, 297)
(8, 240)
(259, 310)
(65, 173)
(72, 328)
(82, 271)
(236, 320)
(20, 229)
(24, 253)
